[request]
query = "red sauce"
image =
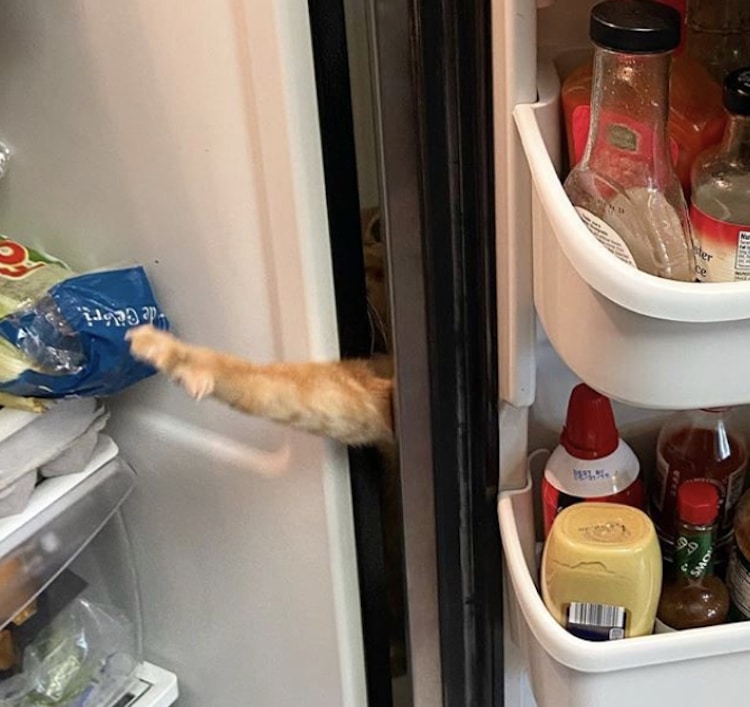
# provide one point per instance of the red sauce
(697, 453)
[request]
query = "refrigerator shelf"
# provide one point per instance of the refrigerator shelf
(62, 516)
(691, 667)
(640, 339)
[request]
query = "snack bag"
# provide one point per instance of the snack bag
(63, 334)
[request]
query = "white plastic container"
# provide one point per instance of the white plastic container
(687, 667)
(640, 339)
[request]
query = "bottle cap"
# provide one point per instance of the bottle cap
(590, 431)
(635, 26)
(737, 91)
(697, 502)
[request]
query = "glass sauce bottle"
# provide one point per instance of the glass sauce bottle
(702, 445)
(692, 595)
(695, 120)
(720, 208)
(625, 187)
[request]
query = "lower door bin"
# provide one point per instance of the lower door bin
(694, 667)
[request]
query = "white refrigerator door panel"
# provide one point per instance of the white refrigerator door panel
(184, 136)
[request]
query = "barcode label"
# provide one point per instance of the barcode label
(596, 622)
(596, 614)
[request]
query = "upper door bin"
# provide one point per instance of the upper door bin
(640, 339)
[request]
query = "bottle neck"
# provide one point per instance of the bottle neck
(630, 99)
(694, 551)
(736, 139)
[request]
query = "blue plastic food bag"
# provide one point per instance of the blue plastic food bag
(67, 331)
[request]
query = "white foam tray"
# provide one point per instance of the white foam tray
(640, 339)
(683, 668)
(152, 687)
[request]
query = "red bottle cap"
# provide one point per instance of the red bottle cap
(697, 502)
(590, 431)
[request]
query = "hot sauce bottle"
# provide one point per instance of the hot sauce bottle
(695, 120)
(720, 208)
(705, 445)
(692, 595)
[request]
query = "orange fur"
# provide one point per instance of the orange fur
(343, 400)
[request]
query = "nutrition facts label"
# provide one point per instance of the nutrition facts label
(722, 249)
(742, 261)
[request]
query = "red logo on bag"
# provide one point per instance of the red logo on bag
(14, 260)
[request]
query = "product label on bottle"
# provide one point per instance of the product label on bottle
(694, 554)
(621, 134)
(738, 583)
(607, 236)
(663, 503)
(722, 250)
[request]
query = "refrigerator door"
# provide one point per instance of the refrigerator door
(184, 136)
(433, 93)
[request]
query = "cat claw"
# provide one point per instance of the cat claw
(197, 383)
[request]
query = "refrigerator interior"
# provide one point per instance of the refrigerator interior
(561, 321)
(70, 609)
(187, 140)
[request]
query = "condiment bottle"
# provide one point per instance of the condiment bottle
(718, 35)
(720, 208)
(705, 445)
(625, 188)
(695, 119)
(601, 571)
(692, 595)
(592, 462)
(738, 572)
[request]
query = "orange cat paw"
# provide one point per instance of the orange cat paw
(154, 346)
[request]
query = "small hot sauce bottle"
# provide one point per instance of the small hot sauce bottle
(692, 595)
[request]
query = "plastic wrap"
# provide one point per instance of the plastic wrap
(84, 658)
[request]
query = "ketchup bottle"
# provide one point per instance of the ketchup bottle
(592, 462)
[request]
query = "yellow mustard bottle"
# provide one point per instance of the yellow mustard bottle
(601, 571)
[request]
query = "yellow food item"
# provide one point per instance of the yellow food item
(603, 554)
